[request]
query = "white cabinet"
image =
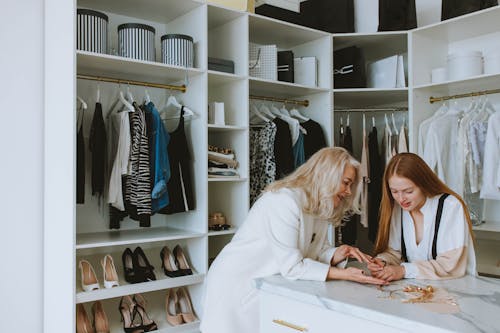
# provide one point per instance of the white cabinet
(429, 48)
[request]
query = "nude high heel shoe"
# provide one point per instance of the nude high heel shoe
(101, 324)
(89, 279)
(148, 324)
(186, 308)
(82, 320)
(172, 308)
(182, 262)
(109, 272)
(127, 312)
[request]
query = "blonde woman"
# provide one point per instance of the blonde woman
(286, 233)
(425, 230)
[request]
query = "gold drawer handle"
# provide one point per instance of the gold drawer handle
(292, 326)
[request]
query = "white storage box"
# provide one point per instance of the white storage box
(136, 41)
(177, 50)
(463, 64)
(91, 31)
(439, 75)
(263, 61)
(306, 71)
(216, 113)
(492, 63)
(387, 73)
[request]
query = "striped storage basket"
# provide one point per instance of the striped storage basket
(136, 41)
(177, 50)
(91, 31)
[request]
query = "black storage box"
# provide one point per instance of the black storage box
(221, 65)
(285, 66)
(349, 68)
(394, 15)
(328, 15)
(279, 14)
(453, 8)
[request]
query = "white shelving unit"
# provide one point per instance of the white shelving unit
(224, 33)
(429, 48)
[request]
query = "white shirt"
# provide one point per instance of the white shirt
(276, 238)
(491, 166)
(453, 234)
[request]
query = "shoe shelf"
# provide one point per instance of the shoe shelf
(132, 236)
(105, 65)
(223, 232)
(184, 328)
(127, 289)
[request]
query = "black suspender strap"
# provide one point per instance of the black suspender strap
(436, 224)
(439, 213)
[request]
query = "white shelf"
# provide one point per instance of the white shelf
(217, 78)
(369, 97)
(475, 83)
(151, 10)
(394, 42)
(463, 27)
(223, 232)
(144, 287)
(226, 180)
(487, 226)
(219, 15)
(132, 236)
(226, 128)
(266, 30)
(184, 328)
(281, 89)
(90, 63)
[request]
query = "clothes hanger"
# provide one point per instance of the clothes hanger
(84, 105)
(295, 113)
(284, 111)
(98, 94)
(129, 94)
(121, 99)
(364, 123)
(264, 110)
(348, 120)
(387, 127)
(147, 99)
(258, 114)
(173, 102)
(373, 121)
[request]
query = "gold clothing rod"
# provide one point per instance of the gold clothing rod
(132, 82)
(281, 100)
(395, 109)
(471, 94)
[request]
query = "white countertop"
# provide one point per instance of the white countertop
(478, 300)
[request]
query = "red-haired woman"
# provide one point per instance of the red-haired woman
(425, 230)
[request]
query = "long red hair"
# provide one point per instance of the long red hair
(411, 166)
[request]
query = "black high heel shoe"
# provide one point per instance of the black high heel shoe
(181, 260)
(168, 263)
(143, 269)
(129, 266)
(148, 324)
(128, 311)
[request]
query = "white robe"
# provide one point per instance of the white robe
(276, 238)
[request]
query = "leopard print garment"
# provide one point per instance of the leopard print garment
(262, 163)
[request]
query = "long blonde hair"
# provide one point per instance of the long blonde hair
(320, 179)
(411, 166)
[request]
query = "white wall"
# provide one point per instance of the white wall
(21, 166)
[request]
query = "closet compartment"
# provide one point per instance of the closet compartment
(303, 42)
(237, 141)
(155, 308)
(216, 243)
(474, 32)
(227, 39)
(233, 92)
(193, 249)
(225, 197)
(373, 48)
(172, 17)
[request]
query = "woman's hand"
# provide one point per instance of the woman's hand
(376, 265)
(390, 273)
(347, 251)
(353, 274)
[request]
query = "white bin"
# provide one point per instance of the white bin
(136, 41)
(91, 31)
(463, 64)
(177, 50)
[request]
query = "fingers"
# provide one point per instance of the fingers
(354, 252)
(373, 280)
(374, 267)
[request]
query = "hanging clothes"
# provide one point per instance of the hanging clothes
(387, 144)
(402, 141)
(262, 162)
(365, 177)
(314, 140)
(159, 163)
(298, 151)
(491, 168)
(283, 154)
(180, 189)
(138, 188)
(375, 185)
(347, 233)
(98, 150)
(80, 160)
